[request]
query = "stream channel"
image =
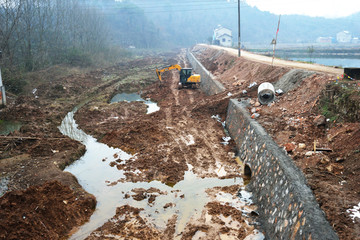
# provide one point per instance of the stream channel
(96, 175)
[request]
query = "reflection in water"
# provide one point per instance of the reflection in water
(94, 173)
(133, 97)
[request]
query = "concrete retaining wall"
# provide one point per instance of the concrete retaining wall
(286, 204)
(208, 83)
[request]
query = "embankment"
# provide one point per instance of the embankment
(208, 83)
(287, 206)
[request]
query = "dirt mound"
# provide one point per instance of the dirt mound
(24, 213)
(292, 79)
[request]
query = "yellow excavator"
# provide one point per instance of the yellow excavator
(187, 79)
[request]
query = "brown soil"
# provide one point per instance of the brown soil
(34, 157)
(333, 176)
(182, 132)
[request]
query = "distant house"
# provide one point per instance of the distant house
(222, 36)
(343, 37)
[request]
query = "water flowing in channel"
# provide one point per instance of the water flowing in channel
(95, 175)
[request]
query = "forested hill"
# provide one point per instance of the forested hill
(188, 22)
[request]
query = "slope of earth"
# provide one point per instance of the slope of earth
(39, 200)
(295, 122)
(183, 136)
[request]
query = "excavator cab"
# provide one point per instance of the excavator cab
(185, 73)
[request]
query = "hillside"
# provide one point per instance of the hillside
(186, 23)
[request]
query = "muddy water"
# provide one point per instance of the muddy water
(96, 175)
(132, 97)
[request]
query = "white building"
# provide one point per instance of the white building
(343, 37)
(324, 40)
(222, 36)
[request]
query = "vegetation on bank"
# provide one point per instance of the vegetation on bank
(36, 35)
(340, 101)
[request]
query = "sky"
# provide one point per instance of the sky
(313, 8)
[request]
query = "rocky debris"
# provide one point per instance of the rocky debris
(291, 119)
(320, 120)
(289, 147)
(302, 146)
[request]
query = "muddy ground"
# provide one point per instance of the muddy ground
(295, 122)
(182, 132)
(40, 201)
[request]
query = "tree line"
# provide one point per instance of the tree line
(35, 33)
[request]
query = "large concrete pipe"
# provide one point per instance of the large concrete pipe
(266, 93)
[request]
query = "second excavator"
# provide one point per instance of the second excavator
(187, 79)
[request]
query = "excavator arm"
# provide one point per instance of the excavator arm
(159, 71)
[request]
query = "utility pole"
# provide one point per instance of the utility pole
(2, 88)
(274, 41)
(239, 42)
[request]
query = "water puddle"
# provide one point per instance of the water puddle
(133, 97)
(186, 198)
(7, 127)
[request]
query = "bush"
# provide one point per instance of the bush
(77, 57)
(13, 81)
(341, 101)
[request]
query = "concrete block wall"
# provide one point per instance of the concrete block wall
(208, 83)
(286, 205)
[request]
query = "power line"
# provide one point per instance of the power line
(171, 10)
(162, 5)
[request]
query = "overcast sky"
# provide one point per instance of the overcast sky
(314, 8)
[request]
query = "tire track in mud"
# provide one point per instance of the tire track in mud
(180, 148)
(185, 131)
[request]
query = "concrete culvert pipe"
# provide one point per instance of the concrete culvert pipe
(266, 93)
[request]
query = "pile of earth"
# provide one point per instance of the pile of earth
(296, 121)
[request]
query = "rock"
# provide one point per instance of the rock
(302, 145)
(253, 110)
(279, 92)
(329, 168)
(320, 120)
(255, 115)
(238, 83)
(257, 104)
(325, 159)
(308, 154)
(289, 147)
(252, 102)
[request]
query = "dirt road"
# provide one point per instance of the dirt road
(280, 62)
